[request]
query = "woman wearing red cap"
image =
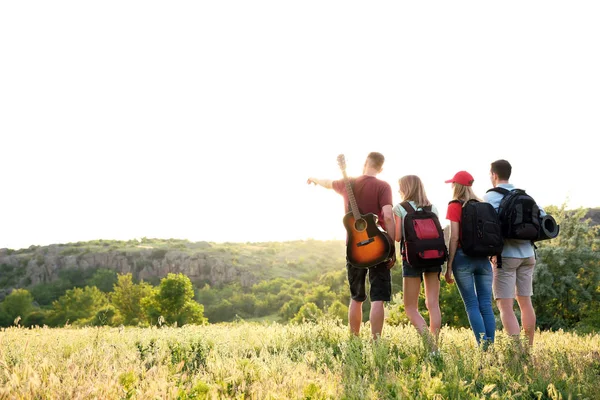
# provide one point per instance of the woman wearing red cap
(473, 275)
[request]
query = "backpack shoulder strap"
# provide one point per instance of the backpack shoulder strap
(406, 205)
(500, 190)
(427, 208)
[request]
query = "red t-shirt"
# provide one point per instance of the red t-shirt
(371, 195)
(454, 213)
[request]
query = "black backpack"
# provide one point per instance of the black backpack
(519, 214)
(423, 243)
(480, 229)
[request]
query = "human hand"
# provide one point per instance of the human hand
(392, 262)
(494, 261)
(448, 276)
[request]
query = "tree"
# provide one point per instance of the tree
(223, 311)
(338, 310)
(272, 286)
(104, 279)
(77, 305)
(105, 316)
(244, 304)
(45, 293)
(174, 301)
(566, 281)
(307, 313)
(290, 309)
(206, 296)
(5, 319)
(19, 303)
(193, 313)
(76, 277)
(35, 318)
(336, 281)
(127, 299)
(321, 296)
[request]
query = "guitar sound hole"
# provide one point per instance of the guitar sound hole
(360, 225)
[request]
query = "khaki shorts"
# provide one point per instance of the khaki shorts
(515, 273)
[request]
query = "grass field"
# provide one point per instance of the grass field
(271, 361)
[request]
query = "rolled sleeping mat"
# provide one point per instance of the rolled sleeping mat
(548, 228)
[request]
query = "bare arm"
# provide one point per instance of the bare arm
(388, 217)
(398, 235)
(326, 183)
(398, 228)
(454, 237)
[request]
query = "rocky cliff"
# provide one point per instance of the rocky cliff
(43, 264)
(152, 259)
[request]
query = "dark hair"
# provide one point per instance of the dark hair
(376, 160)
(502, 168)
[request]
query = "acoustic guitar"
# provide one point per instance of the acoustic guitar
(368, 244)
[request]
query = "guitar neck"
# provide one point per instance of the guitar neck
(351, 198)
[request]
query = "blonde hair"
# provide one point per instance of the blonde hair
(411, 189)
(463, 193)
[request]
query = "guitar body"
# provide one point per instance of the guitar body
(368, 245)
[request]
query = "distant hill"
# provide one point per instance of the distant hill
(152, 259)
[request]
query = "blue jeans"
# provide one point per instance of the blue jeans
(473, 276)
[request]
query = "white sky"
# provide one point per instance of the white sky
(203, 119)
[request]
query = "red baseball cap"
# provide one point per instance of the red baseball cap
(462, 177)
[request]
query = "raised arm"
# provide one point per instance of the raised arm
(326, 183)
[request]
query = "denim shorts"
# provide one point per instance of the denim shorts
(409, 271)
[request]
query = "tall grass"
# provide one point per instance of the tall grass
(307, 361)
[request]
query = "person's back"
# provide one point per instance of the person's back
(515, 277)
(472, 272)
(372, 196)
(414, 198)
(513, 248)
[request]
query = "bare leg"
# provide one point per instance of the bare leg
(376, 318)
(527, 317)
(355, 316)
(508, 317)
(411, 290)
(432, 301)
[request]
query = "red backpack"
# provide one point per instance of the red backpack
(423, 243)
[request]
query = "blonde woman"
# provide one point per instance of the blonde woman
(473, 275)
(412, 192)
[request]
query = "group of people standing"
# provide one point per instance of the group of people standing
(477, 278)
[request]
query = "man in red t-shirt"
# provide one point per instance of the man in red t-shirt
(372, 196)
